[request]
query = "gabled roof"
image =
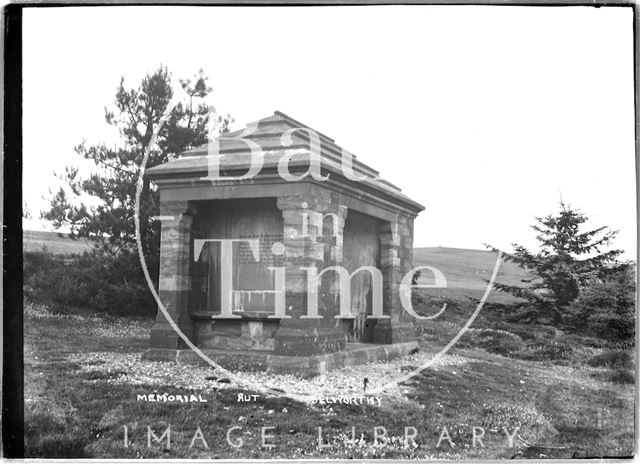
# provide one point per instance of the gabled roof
(276, 136)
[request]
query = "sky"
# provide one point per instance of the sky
(487, 115)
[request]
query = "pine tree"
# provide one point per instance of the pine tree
(101, 206)
(568, 260)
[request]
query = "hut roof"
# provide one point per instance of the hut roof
(273, 138)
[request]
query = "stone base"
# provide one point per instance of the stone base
(249, 333)
(386, 331)
(260, 332)
(304, 366)
(164, 337)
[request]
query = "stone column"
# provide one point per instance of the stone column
(174, 281)
(396, 253)
(305, 246)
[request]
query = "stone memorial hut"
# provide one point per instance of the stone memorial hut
(244, 234)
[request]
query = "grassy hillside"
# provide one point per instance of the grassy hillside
(466, 271)
(52, 242)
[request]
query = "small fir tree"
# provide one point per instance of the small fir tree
(568, 260)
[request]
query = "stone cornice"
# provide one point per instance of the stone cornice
(234, 158)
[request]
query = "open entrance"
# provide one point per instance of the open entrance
(361, 247)
(253, 282)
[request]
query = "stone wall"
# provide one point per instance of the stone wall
(308, 246)
(396, 240)
(175, 280)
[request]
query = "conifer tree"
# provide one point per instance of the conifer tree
(568, 260)
(100, 207)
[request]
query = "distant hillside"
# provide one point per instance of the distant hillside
(51, 241)
(467, 271)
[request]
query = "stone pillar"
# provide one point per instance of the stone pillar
(306, 246)
(174, 281)
(396, 253)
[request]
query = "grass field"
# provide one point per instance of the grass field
(52, 242)
(83, 373)
(467, 272)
